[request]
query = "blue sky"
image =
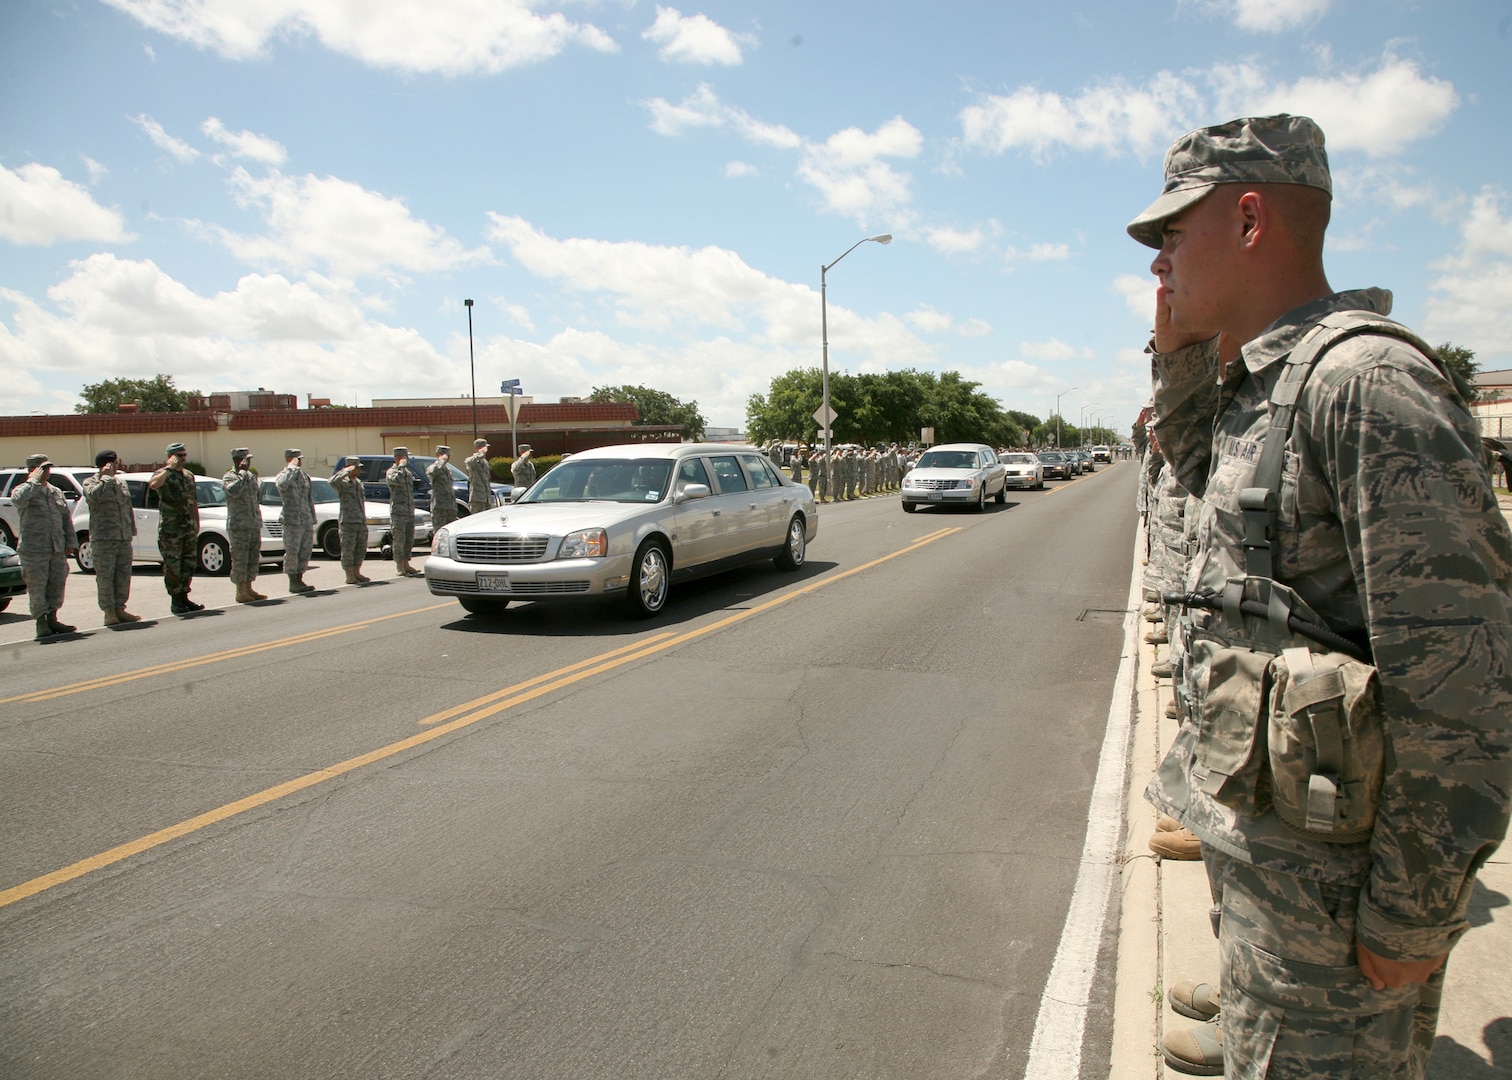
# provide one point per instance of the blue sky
(299, 194)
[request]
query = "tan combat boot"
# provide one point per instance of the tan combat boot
(297, 584)
(352, 577)
(361, 577)
(122, 615)
(244, 594)
(111, 618)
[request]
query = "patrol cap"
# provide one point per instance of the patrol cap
(176, 448)
(524, 446)
(442, 450)
(104, 457)
(1281, 149)
(479, 442)
(37, 460)
(401, 451)
(241, 453)
(294, 453)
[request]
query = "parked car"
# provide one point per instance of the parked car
(1023, 470)
(961, 473)
(11, 581)
(1056, 465)
(69, 479)
(327, 515)
(375, 469)
(214, 542)
(1102, 455)
(625, 522)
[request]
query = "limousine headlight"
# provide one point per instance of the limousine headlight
(584, 544)
(441, 544)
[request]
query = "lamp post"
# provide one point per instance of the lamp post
(472, 370)
(884, 238)
(1058, 396)
(1082, 420)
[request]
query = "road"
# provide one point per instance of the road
(823, 824)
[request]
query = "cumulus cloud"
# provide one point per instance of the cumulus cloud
(245, 144)
(1053, 350)
(1138, 292)
(702, 108)
(451, 37)
(175, 146)
(1474, 288)
(1267, 16)
(1041, 252)
(1379, 111)
(927, 320)
(736, 169)
(39, 206)
(850, 174)
(694, 39)
(338, 227)
(950, 241)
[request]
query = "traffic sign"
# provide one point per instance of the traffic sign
(824, 416)
(510, 386)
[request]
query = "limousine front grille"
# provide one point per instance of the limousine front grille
(501, 549)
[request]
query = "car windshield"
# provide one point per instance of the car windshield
(1052, 455)
(623, 480)
(1019, 459)
(948, 459)
(209, 493)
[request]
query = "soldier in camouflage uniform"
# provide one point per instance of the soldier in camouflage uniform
(178, 528)
(352, 521)
(47, 539)
(298, 519)
(401, 482)
(1345, 793)
(479, 478)
(523, 471)
(244, 524)
(818, 468)
(443, 493)
(800, 456)
(112, 524)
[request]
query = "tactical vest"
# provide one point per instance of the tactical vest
(1288, 710)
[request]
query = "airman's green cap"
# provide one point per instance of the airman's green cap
(1280, 149)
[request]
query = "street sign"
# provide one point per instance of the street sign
(510, 386)
(824, 433)
(824, 416)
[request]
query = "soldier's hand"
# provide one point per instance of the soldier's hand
(1394, 973)
(1167, 338)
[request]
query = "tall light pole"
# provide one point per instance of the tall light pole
(884, 238)
(472, 370)
(1082, 421)
(1058, 396)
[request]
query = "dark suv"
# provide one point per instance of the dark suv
(375, 468)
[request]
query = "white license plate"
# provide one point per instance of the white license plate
(935, 496)
(493, 582)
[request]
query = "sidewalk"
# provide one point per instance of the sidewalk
(1165, 935)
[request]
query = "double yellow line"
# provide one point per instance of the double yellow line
(437, 725)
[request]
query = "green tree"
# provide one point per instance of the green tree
(154, 395)
(656, 407)
(786, 411)
(1461, 361)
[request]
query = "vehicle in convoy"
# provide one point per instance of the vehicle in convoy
(11, 581)
(1102, 455)
(69, 479)
(327, 518)
(961, 473)
(624, 523)
(1056, 465)
(374, 474)
(214, 542)
(1083, 460)
(1023, 470)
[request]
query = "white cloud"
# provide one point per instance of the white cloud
(38, 206)
(1041, 252)
(1268, 16)
(694, 39)
(1473, 291)
(927, 320)
(1138, 292)
(950, 241)
(451, 37)
(245, 144)
(736, 169)
(1053, 350)
(338, 226)
(97, 172)
(175, 146)
(702, 108)
(1380, 112)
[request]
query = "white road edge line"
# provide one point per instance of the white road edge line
(1056, 1050)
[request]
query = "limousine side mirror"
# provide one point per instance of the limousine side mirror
(693, 491)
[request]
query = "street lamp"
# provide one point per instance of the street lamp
(885, 238)
(472, 370)
(1082, 420)
(1058, 396)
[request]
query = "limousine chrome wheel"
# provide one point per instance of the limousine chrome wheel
(791, 556)
(649, 576)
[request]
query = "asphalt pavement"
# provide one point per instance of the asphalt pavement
(1165, 935)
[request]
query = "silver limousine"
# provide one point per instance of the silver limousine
(624, 522)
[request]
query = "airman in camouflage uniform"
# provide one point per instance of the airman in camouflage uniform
(523, 471)
(47, 539)
(800, 456)
(443, 493)
(352, 521)
(244, 524)
(852, 474)
(112, 524)
(178, 528)
(298, 519)
(1342, 886)
(401, 482)
(818, 469)
(479, 478)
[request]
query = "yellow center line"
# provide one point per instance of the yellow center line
(459, 717)
(211, 658)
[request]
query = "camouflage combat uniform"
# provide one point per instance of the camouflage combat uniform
(352, 518)
(1389, 534)
(178, 531)
(46, 535)
(479, 482)
(298, 518)
(244, 523)
(818, 475)
(443, 494)
(401, 482)
(523, 473)
(112, 524)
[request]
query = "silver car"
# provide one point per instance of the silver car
(624, 522)
(960, 473)
(1024, 471)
